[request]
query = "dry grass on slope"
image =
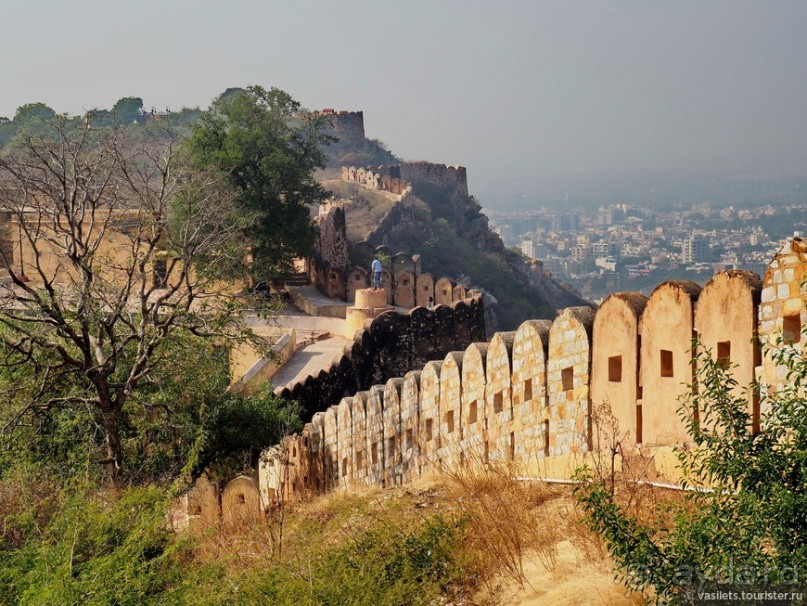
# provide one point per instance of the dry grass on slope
(364, 208)
(519, 543)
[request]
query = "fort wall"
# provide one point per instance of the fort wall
(406, 285)
(528, 398)
(398, 178)
(389, 346)
(346, 125)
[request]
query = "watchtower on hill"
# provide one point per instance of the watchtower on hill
(348, 126)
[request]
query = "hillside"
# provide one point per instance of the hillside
(461, 539)
(437, 219)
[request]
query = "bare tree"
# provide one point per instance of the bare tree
(112, 248)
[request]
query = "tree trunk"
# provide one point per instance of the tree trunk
(114, 450)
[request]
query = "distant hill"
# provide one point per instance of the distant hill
(438, 219)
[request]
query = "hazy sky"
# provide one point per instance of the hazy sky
(506, 88)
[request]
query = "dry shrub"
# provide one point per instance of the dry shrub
(508, 519)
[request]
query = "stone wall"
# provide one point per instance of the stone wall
(782, 314)
(406, 285)
(328, 264)
(383, 178)
(396, 179)
(453, 177)
(390, 346)
(347, 126)
(665, 367)
(615, 360)
(530, 398)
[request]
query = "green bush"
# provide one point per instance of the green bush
(239, 427)
(382, 564)
(745, 522)
(95, 548)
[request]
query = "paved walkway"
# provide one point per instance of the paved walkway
(321, 338)
(310, 360)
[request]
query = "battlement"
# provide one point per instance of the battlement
(397, 178)
(455, 177)
(535, 399)
(532, 397)
(405, 284)
(384, 178)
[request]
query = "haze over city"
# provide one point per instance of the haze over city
(516, 91)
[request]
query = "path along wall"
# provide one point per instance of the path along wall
(535, 398)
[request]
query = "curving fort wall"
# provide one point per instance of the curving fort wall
(531, 398)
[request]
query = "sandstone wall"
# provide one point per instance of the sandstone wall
(405, 285)
(390, 346)
(454, 177)
(615, 360)
(528, 386)
(724, 314)
(783, 316)
(666, 360)
(528, 398)
(346, 125)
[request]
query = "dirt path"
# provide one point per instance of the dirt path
(576, 579)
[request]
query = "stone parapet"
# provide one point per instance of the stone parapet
(532, 398)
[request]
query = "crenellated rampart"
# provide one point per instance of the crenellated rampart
(383, 178)
(441, 175)
(389, 346)
(404, 283)
(397, 178)
(534, 398)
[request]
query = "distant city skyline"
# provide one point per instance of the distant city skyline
(513, 91)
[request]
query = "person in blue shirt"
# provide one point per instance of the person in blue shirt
(376, 267)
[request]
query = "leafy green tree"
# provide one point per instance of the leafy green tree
(269, 151)
(745, 522)
(29, 118)
(31, 112)
(91, 549)
(99, 117)
(239, 427)
(127, 110)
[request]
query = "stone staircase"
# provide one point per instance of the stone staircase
(298, 279)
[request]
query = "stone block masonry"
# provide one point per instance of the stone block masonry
(782, 314)
(405, 285)
(528, 398)
(346, 125)
(389, 346)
